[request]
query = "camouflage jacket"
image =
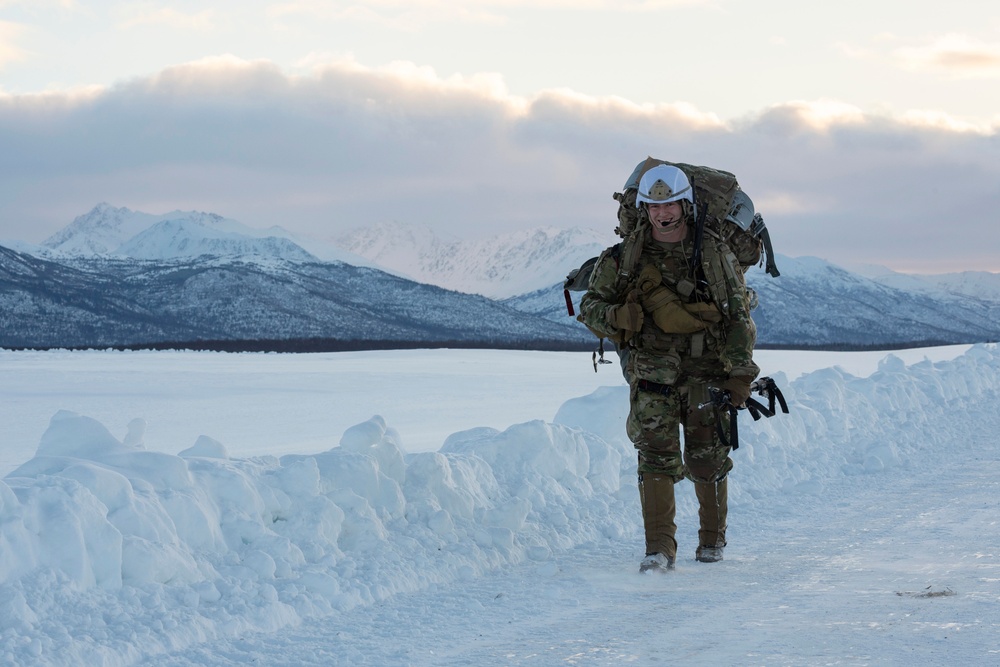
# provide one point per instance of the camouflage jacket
(722, 350)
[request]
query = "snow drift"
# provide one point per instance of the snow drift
(110, 552)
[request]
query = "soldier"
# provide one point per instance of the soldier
(685, 329)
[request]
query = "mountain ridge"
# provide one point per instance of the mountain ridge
(497, 267)
(97, 302)
(117, 275)
(107, 230)
(816, 303)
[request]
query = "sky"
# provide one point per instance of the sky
(141, 527)
(865, 132)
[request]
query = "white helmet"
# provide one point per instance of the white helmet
(742, 214)
(742, 211)
(662, 184)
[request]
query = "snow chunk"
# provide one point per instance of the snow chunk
(70, 434)
(205, 447)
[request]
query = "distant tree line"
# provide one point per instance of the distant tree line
(302, 345)
(859, 347)
(306, 345)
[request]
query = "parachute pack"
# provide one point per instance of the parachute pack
(721, 208)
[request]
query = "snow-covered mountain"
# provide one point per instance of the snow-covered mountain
(816, 303)
(813, 302)
(120, 277)
(215, 278)
(171, 239)
(979, 284)
(102, 230)
(109, 230)
(112, 301)
(976, 284)
(813, 299)
(496, 267)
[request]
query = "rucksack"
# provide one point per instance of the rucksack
(720, 207)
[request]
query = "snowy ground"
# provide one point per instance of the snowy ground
(259, 404)
(489, 518)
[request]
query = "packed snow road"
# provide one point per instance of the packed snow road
(900, 568)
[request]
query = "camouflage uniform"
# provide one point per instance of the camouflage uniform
(670, 375)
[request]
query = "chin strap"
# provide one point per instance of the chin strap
(699, 237)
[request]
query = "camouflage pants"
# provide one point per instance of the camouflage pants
(654, 426)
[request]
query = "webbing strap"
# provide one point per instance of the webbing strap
(697, 344)
(631, 249)
(734, 433)
(771, 267)
(699, 235)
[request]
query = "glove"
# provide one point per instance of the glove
(669, 314)
(649, 279)
(626, 317)
(705, 312)
(738, 388)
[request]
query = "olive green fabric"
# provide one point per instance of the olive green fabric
(738, 388)
(706, 312)
(664, 305)
(747, 247)
(656, 495)
(627, 318)
(713, 510)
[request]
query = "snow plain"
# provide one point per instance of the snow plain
(479, 508)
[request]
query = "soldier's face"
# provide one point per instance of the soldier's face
(668, 223)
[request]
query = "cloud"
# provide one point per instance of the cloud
(820, 115)
(959, 55)
(341, 145)
(9, 50)
(787, 204)
(64, 4)
(931, 119)
(409, 15)
(399, 15)
(170, 18)
(325, 7)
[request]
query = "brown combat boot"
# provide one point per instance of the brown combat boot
(713, 507)
(656, 493)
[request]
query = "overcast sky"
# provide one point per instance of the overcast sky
(865, 131)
